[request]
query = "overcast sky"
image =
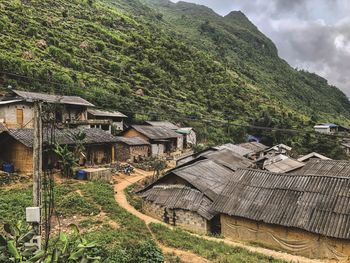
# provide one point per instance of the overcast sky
(309, 34)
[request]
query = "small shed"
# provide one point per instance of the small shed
(190, 136)
(164, 141)
(132, 149)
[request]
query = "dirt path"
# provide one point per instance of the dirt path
(186, 256)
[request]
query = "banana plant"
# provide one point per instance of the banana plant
(67, 248)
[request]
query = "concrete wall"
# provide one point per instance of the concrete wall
(291, 240)
(185, 219)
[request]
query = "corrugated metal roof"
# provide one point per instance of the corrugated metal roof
(307, 157)
(72, 100)
(206, 176)
(180, 197)
(2, 127)
(166, 124)
(5, 102)
(254, 146)
(132, 141)
(235, 148)
(229, 159)
(318, 204)
(65, 136)
(326, 167)
(155, 132)
(103, 113)
(282, 164)
(279, 147)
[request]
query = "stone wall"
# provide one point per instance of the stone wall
(185, 219)
(139, 151)
(291, 240)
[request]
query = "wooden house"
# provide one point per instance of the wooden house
(132, 149)
(16, 108)
(306, 215)
(183, 196)
(99, 147)
(164, 141)
(106, 120)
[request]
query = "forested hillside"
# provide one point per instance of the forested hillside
(159, 60)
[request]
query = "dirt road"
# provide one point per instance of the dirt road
(187, 256)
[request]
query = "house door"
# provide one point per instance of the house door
(19, 115)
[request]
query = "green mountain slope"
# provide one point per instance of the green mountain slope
(156, 59)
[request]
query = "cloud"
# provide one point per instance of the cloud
(312, 35)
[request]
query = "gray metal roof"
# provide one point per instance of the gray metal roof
(103, 113)
(206, 176)
(283, 165)
(309, 156)
(318, 204)
(326, 167)
(2, 127)
(179, 197)
(65, 136)
(235, 148)
(156, 132)
(257, 147)
(132, 141)
(166, 124)
(32, 96)
(229, 159)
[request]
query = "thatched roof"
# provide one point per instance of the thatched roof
(33, 96)
(179, 197)
(155, 132)
(318, 204)
(62, 137)
(326, 167)
(134, 141)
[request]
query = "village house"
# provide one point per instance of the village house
(312, 155)
(190, 136)
(189, 157)
(132, 149)
(329, 128)
(99, 147)
(112, 121)
(306, 215)
(16, 108)
(164, 141)
(236, 149)
(183, 196)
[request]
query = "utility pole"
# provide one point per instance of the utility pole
(34, 213)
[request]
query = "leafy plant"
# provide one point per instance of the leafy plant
(67, 159)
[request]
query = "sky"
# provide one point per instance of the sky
(309, 34)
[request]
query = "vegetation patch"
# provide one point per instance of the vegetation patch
(73, 203)
(214, 251)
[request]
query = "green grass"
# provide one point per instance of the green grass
(218, 252)
(134, 200)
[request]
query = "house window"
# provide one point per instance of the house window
(19, 116)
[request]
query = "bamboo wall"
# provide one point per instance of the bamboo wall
(291, 240)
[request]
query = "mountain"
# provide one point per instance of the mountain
(156, 59)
